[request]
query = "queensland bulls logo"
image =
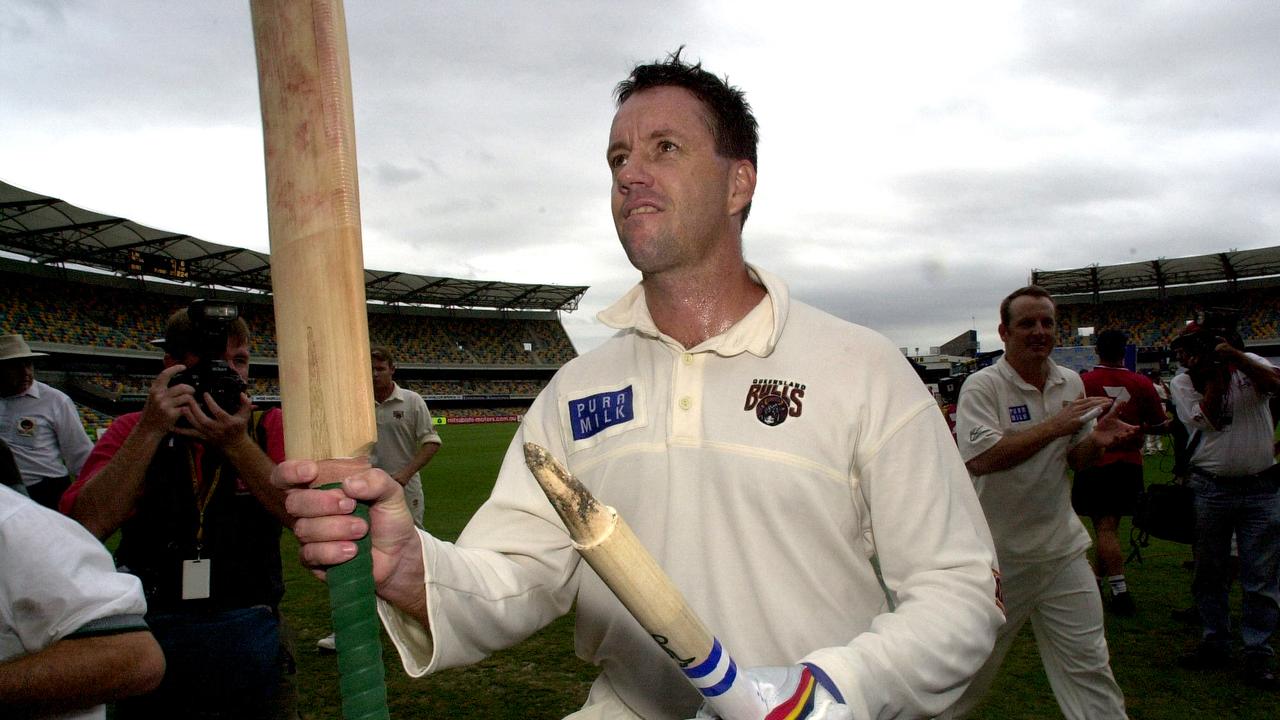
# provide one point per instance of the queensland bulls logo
(771, 410)
(775, 400)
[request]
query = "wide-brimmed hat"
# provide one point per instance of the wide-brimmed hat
(13, 347)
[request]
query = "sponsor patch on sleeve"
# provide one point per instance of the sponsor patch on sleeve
(596, 413)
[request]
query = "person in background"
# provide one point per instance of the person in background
(407, 437)
(40, 425)
(407, 440)
(1022, 423)
(188, 484)
(1153, 444)
(1109, 489)
(1222, 398)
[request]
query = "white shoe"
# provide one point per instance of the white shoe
(327, 643)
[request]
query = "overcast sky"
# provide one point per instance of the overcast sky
(916, 161)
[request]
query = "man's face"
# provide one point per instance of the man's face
(671, 189)
(1029, 336)
(382, 375)
(16, 376)
(1183, 356)
(1197, 354)
(237, 356)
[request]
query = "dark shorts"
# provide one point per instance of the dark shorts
(1107, 490)
(228, 665)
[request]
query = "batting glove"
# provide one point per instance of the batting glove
(794, 692)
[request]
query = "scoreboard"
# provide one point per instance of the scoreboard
(140, 263)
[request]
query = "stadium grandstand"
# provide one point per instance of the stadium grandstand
(1155, 299)
(93, 291)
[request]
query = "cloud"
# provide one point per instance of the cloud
(916, 161)
(1204, 66)
(392, 174)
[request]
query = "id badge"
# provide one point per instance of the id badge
(195, 579)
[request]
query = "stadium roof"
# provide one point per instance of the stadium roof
(1161, 273)
(52, 232)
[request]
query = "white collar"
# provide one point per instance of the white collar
(757, 332)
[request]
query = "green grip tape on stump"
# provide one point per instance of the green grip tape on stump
(356, 628)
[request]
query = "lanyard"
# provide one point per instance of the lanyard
(201, 503)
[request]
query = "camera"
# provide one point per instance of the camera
(207, 340)
(1214, 323)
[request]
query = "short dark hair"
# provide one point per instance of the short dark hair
(180, 337)
(383, 353)
(1028, 291)
(729, 116)
(1110, 344)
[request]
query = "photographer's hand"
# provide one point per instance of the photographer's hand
(1223, 349)
(229, 433)
(1264, 375)
(165, 405)
(110, 496)
(217, 427)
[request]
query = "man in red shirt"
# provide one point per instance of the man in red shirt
(187, 482)
(1110, 489)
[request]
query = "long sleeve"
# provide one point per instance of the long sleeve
(72, 439)
(512, 572)
(936, 558)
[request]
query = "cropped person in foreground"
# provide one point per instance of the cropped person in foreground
(72, 635)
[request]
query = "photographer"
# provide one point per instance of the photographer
(1223, 401)
(187, 481)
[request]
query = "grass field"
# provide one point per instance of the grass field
(541, 678)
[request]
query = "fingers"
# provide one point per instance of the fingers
(219, 413)
(292, 474)
(307, 503)
(166, 376)
(373, 486)
(1084, 404)
(326, 529)
(330, 540)
(215, 411)
(324, 526)
(196, 415)
(1081, 410)
(166, 404)
(213, 423)
(1090, 408)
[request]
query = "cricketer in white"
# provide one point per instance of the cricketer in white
(770, 457)
(767, 530)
